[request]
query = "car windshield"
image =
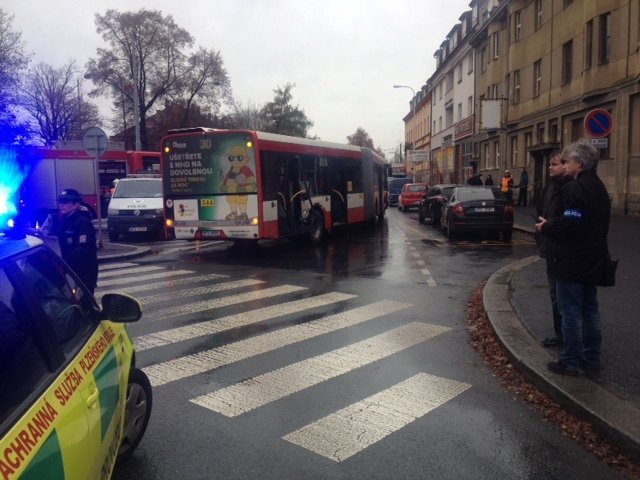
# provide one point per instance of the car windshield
(470, 194)
(446, 191)
(416, 188)
(139, 189)
(398, 182)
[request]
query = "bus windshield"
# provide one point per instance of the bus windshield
(209, 165)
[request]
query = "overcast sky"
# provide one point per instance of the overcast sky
(344, 56)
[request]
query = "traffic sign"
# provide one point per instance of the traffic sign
(598, 123)
(95, 142)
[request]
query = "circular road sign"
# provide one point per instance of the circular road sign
(598, 123)
(95, 142)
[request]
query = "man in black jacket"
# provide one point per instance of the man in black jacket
(578, 255)
(550, 208)
(77, 238)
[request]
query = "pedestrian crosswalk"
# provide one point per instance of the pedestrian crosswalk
(184, 305)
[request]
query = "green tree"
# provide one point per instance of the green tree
(13, 61)
(148, 58)
(361, 138)
(54, 99)
(280, 116)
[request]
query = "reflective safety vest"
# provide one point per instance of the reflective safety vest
(505, 184)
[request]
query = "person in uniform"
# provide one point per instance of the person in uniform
(77, 238)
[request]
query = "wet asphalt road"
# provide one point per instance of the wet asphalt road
(349, 360)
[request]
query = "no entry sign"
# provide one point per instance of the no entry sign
(598, 123)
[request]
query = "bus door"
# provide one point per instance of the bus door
(338, 188)
(292, 195)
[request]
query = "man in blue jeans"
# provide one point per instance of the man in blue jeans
(578, 254)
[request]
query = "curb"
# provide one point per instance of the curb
(613, 416)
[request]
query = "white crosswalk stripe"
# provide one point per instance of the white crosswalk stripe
(337, 436)
(140, 278)
(204, 305)
(200, 362)
(172, 284)
(256, 392)
(112, 266)
(352, 429)
(199, 291)
(218, 325)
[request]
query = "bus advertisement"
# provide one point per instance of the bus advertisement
(247, 185)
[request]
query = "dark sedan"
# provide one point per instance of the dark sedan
(478, 209)
(431, 206)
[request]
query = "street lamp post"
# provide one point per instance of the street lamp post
(413, 103)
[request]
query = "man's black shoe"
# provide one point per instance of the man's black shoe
(562, 369)
(551, 342)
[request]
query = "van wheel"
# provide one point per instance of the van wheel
(137, 412)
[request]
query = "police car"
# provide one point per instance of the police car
(71, 400)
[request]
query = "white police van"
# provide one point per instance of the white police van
(136, 207)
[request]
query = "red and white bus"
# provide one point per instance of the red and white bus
(247, 185)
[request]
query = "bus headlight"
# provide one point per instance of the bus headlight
(169, 223)
(254, 221)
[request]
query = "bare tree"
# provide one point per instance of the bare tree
(54, 99)
(13, 60)
(248, 116)
(361, 138)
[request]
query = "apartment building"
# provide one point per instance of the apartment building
(540, 68)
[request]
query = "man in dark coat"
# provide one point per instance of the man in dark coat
(551, 207)
(524, 184)
(77, 238)
(579, 253)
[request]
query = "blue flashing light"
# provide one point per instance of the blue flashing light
(11, 177)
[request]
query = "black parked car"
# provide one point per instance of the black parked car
(480, 209)
(431, 206)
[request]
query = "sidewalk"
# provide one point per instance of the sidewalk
(517, 302)
(108, 253)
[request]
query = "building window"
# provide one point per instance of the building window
(496, 151)
(496, 45)
(553, 131)
(605, 38)
(540, 133)
(440, 91)
(485, 156)
(538, 13)
(514, 150)
(588, 45)
(469, 106)
(527, 144)
(459, 111)
(516, 86)
(577, 130)
(567, 62)
(566, 3)
(537, 78)
(433, 132)
(492, 91)
(470, 67)
(440, 123)
(459, 70)
(517, 26)
(483, 59)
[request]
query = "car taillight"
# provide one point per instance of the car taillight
(458, 210)
(508, 208)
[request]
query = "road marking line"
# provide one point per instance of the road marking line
(198, 291)
(130, 271)
(112, 266)
(200, 362)
(258, 391)
(140, 278)
(172, 284)
(210, 304)
(348, 431)
(196, 330)
(430, 281)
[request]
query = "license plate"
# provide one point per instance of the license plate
(485, 209)
(210, 233)
(137, 229)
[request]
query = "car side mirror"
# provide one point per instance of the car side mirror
(121, 308)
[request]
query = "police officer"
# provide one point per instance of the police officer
(77, 238)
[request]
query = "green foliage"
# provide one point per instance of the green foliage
(279, 116)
